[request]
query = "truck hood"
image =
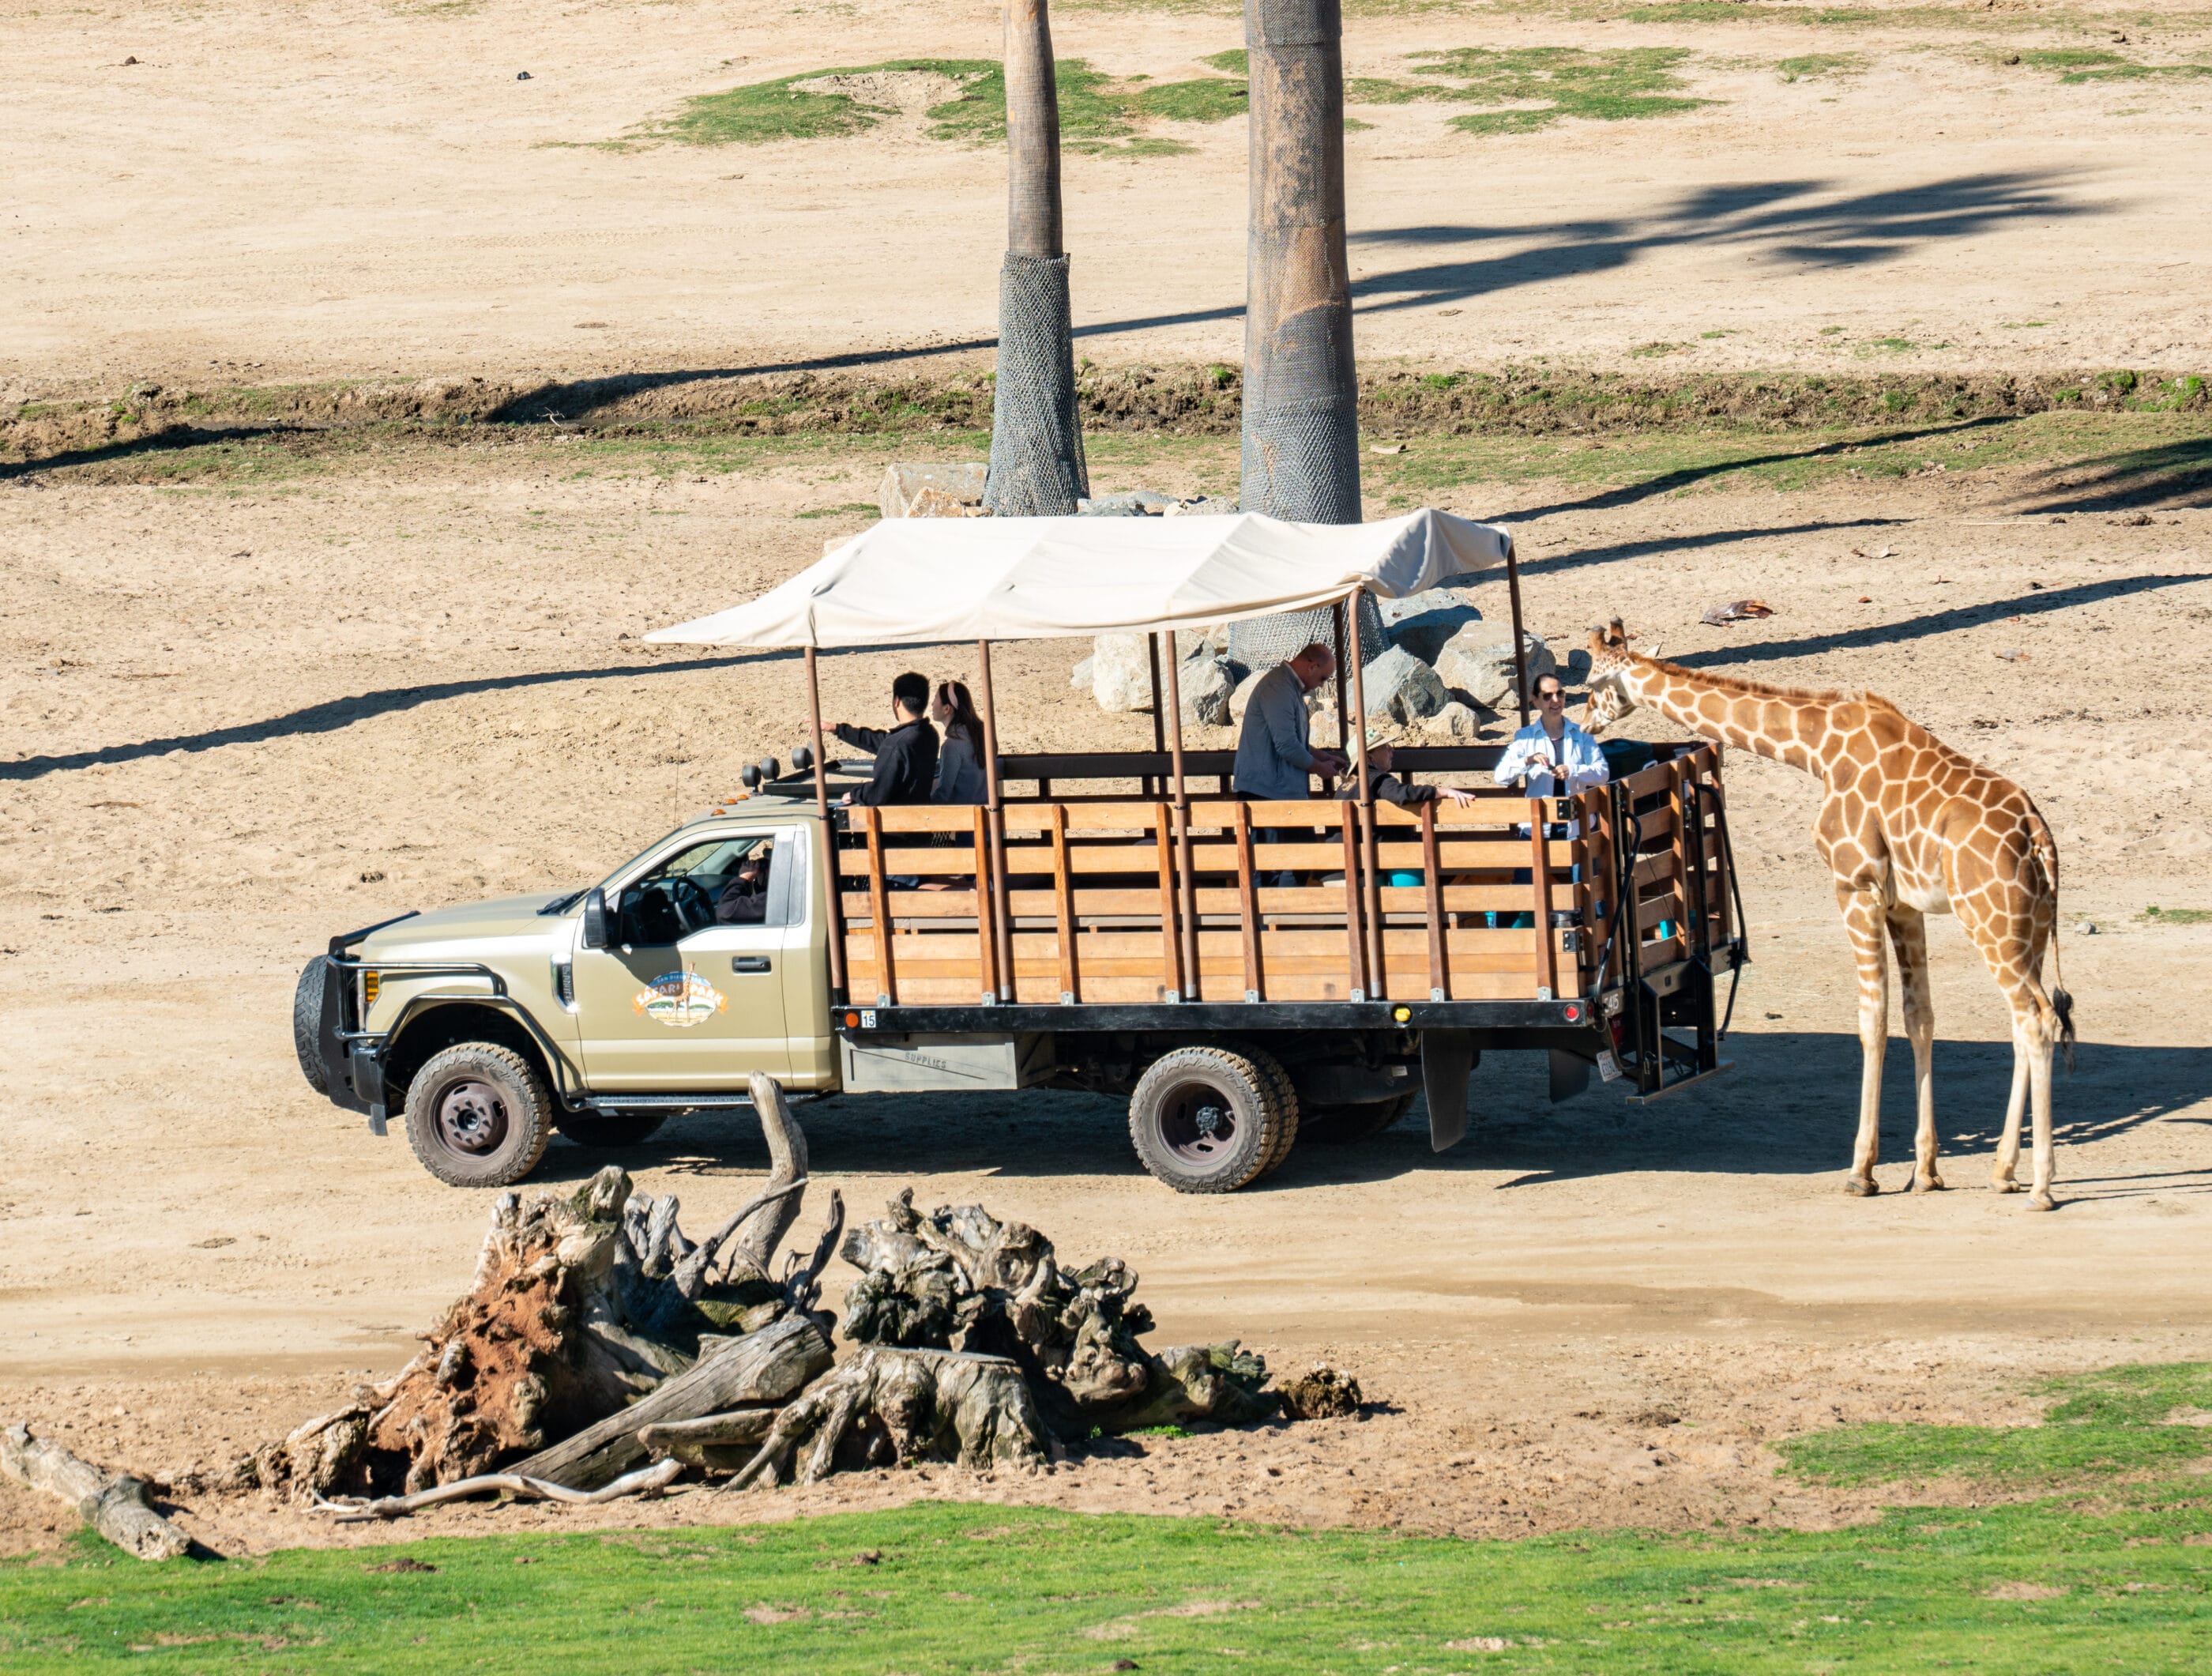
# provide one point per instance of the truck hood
(428, 935)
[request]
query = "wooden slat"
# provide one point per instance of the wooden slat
(1432, 890)
(1171, 944)
(987, 949)
(879, 908)
(1064, 906)
(894, 818)
(1539, 876)
(1354, 934)
(1247, 904)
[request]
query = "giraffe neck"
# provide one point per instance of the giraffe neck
(1782, 726)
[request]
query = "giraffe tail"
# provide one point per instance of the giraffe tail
(2062, 1003)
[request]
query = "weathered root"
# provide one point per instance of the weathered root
(353, 1511)
(888, 1406)
(997, 1287)
(112, 1503)
(719, 1442)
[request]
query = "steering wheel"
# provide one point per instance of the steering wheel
(694, 909)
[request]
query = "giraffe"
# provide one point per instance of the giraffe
(1909, 827)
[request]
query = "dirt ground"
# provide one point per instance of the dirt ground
(238, 716)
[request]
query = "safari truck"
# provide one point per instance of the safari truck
(1247, 973)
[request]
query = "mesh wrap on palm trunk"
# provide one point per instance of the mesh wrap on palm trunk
(1037, 444)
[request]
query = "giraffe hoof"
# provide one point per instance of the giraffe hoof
(1861, 1189)
(1927, 1184)
(2042, 1201)
(2003, 1184)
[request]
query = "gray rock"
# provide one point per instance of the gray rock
(1122, 672)
(1400, 685)
(904, 481)
(1205, 686)
(1206, 506)
(1081, 676)
(1576, 670)
(1457, 723)
(1129, 503)
(1421, 622)
(1481, 667)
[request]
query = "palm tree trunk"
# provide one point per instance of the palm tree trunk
(1300, 455)
(1036, 445)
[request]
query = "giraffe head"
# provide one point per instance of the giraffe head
(1612, 668)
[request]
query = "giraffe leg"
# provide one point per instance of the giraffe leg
(2001, 1176)
(1863, 920)
(2042, 1038)
(1908, 935)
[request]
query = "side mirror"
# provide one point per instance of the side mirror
(595, 919)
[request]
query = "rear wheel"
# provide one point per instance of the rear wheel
(1340, 1126)
(479, 1116)
(1285, 1095)
(307, 1023)
(609, 1129)
(1204, 1120)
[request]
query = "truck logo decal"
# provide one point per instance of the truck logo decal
(679, 1000)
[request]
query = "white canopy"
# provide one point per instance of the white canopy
(914, 582)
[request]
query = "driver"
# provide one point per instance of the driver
(743, 900)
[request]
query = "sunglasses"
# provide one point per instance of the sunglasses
(1554, 697)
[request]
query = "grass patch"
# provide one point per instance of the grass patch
(943, 1588)
(1096, 111)
(848, 509)
(1547, 85)
(2077, 65)
(2116, 1422)
(1814, 65)
(2178, 916)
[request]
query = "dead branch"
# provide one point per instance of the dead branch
(352, 1511)
(112, 1503)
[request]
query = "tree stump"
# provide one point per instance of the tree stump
(112, 1503)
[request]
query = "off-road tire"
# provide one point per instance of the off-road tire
(307, 1024)
(492, 1093)
(608, 1130)
(1286, 1095)
(1204, 1120)
(1341, 1125)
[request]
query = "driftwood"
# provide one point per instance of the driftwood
(721, 1442)
(997, 1287)
(354, 1511)
(890, 1406)
(769, 1366)
(112, 1503)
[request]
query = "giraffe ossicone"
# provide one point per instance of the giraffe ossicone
(1909, 827)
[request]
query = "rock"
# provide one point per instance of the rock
(1400, 685)
(1129, 503)
(1456, 722)
(1577, 672)
(522, 76)
(934, 503)
(1421, 622)
(1482, 668)
(1205, 686)
(903, 481)
(1323, 1394)
(1206, 506)
(1081, 677)
(1122, 672)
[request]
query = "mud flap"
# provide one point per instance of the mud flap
(1570, 1075)
(1447, 1056)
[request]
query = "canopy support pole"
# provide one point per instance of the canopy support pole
(1343, 728)
(1520, 653)
(997, 907)
(1377, 983)
(836, 884)
(1160, 722)
(1190, 980)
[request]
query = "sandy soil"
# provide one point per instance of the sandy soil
(359, 187)
(229, 709)
(240, 716)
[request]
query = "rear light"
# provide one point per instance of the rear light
(1574, 1014)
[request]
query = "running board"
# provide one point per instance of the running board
(1671, 1087)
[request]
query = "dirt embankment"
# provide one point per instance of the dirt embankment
(1188, 400)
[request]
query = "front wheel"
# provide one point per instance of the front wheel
(1204, 1120)
(479, 1116)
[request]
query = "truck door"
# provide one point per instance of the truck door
(685, 1001)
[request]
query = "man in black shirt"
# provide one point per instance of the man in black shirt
(906, 757)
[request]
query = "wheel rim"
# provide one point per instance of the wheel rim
(1198, 1124)
(472, 1118)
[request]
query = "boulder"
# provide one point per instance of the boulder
(1081, 677)
(1421, 622)
(934, 503)
(1472, 663)
(1400, 685)
(1122, 672)
(1205, 686)
(895, 494)
(1129, 503)
(1455, 723)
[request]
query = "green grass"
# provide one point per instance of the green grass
(2081, 64)
(945, 1587)
(2178, 916)
(2140, 1418)
(1096, 111)
(1616, 84)
(1814, 65)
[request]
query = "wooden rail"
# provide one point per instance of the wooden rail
(1124, 898)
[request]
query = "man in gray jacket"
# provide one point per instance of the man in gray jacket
(1274, 757)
